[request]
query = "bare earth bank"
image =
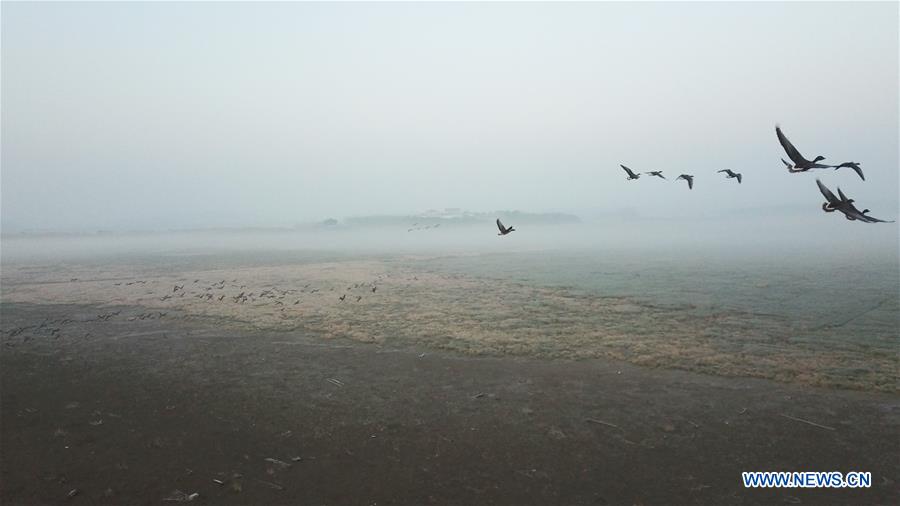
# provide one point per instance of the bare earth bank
(128, 410)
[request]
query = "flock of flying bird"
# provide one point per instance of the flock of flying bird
(687, 177)
(832, 203)
(798, 164)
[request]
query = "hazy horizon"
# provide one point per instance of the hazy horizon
(158, 116)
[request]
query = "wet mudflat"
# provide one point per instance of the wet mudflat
(137, 406)
(782, 324)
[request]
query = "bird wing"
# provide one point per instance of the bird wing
(789, 148)
(739, 178)
(853, 212)
(842, 196)
(690, 181)
(827, 194)
(631, 174)
(500, 226)
(858, 170)
(791, 168)
(872, 219)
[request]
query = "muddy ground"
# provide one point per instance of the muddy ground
(127, 406)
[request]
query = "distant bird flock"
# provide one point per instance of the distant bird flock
(798, 163)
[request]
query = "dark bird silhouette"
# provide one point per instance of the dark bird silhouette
(844, 205)
(832, 203)
(631, 175)
(856, 213)
(374, 288)
(342, 297)
(177, 288)
(731, 174)
(504, 230)
(657, 173)
(853, 165)
(801, 164)
(358, 298)
(689, 178)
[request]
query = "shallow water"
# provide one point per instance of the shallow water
(866, 311)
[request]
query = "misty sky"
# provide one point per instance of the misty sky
(176, 115)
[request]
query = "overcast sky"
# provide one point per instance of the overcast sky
(175, 115)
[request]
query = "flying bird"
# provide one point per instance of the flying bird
(800, 164)
(856, 213)
(689, 178)
(853, 165)
(844, 205)
(731, 174)
(631, 175)
(832, 203)
(657, 173)
(504, 230)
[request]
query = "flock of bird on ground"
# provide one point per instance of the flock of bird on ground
(799, 164)
(415, 226)
(274, 295)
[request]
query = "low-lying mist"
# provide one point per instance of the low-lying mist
(815, 238)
